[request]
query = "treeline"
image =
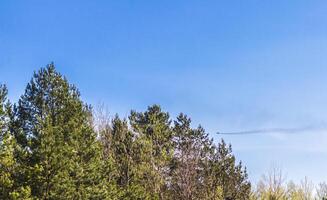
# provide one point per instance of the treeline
(54, 146)
(275, 186)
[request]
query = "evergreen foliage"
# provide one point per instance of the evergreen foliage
(9, 167)
(51, 147)
(53, 125)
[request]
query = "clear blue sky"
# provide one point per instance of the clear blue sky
(230, 65)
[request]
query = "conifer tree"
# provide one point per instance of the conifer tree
(108, 170)
(225, 173)
(7, 160)
(191, 148)
(9, 168)
(54, 126)
(123, 149)
(155, 148)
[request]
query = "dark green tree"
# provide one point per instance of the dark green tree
(54, 126)
(123, 149)
(223, 172)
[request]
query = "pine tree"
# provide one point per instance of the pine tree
(155, 149)
(123, 149)
(109, 170)
(9, 188)
(54, 126)
(7, 160)
(191, 148)
(227, 174)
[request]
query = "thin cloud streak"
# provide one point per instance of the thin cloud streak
(276, 130)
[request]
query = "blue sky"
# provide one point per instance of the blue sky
(229, 65)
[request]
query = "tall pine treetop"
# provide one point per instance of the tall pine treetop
(54, 126)
(48, 94)
(5, 109)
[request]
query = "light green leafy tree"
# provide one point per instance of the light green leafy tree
(153, 136)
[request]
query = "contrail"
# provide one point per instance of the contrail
(274, 130)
